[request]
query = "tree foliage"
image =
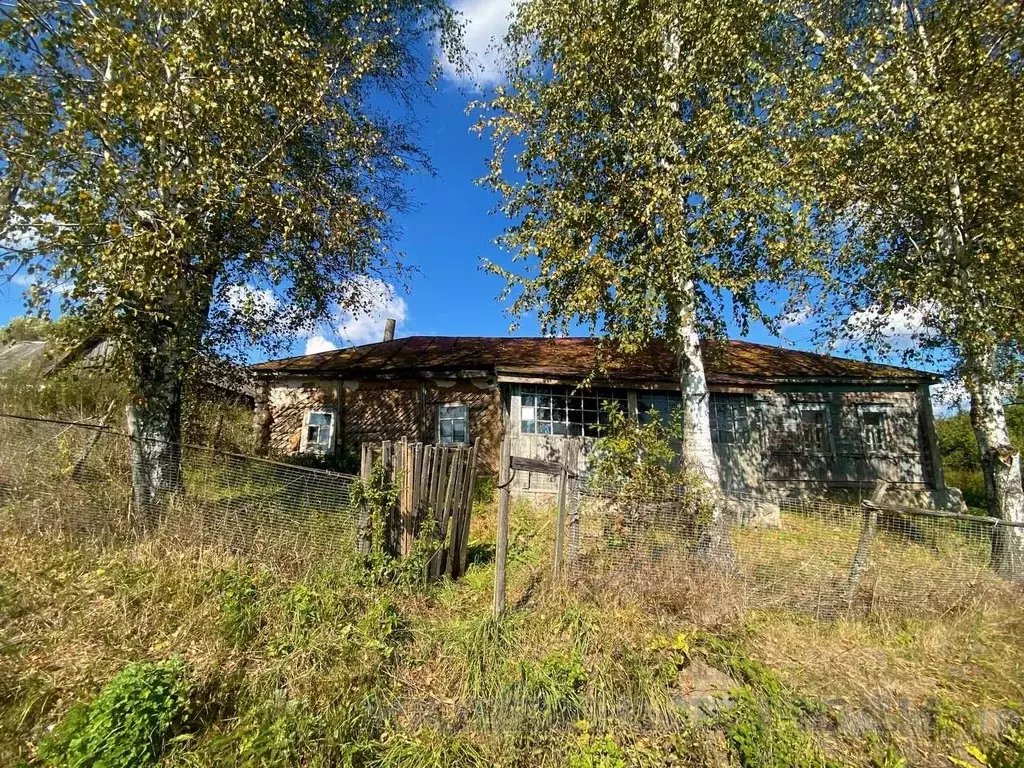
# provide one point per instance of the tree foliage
(209, 174)
(639, 145)
(923, 167)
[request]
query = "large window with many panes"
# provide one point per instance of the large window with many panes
(731, 418)
(657, 406)
(561, 410)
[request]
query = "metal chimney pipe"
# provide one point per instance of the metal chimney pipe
(389, 329)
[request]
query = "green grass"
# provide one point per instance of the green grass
(213, 658)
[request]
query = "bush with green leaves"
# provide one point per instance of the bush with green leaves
(639, 465)
(129, 724)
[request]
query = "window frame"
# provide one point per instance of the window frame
(654, 394)
(464, 418)
(587, 403)
(305, 446)
(885, 411)
(825, 409)
(732, 403)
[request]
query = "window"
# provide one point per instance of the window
(813, 430)
(319, 431)
(874, 423)
(662, 406)
(731, 417)
(565, 411)
(452, 424)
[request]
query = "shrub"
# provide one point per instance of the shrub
(129, 724)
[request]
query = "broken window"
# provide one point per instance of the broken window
(663, 406)
(813, 429)
(874, 422)
(730, 417)
(557, 410)
(319, 431)
(452, 424)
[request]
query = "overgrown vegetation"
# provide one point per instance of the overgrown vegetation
(207, 658)
(637, 462)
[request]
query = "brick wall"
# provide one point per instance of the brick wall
(372, 411)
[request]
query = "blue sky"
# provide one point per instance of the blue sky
(450, 228)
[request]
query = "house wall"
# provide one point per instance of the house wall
(372, 411)
(773, 458)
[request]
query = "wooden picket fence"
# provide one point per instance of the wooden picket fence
(435, 482)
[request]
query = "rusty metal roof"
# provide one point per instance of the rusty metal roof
(735, 363)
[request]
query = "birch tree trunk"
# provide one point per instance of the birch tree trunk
(698, 452)
(1000, 462)
(154, 424)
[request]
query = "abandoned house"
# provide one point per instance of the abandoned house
(782, 421)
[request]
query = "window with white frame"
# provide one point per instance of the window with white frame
(561, 410)
(452, 424)
(319, 432)
(874, 424)
(731, 417)
(813, 429)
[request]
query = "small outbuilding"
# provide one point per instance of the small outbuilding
(783, 422)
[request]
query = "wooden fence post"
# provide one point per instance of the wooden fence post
(574, 507)
(563, 481)
(468, 515)
(365, 471)
(867, 536)
(501, 549)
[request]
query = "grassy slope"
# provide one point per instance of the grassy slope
(319, 668)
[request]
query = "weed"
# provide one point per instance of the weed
(143, 709)
(429, 748)
(950, 720)
(1007, 751)
(552, 686)
(596, 751)
(240, 606)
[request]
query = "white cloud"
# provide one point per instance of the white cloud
(371, 302)
(260, 302)
(486, 23)
(949, 397)
(376, 301)
(904, 328)
(319, 343)
(795, 318)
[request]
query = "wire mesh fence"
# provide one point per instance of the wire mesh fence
(807, 555)
(70, 479)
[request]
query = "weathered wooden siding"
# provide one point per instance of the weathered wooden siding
(772, 457)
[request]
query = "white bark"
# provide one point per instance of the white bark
(1001, 463)
(154, 424)
(698, 453)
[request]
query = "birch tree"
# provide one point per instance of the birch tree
(192, 176)
(924, 177)
(641, 151)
